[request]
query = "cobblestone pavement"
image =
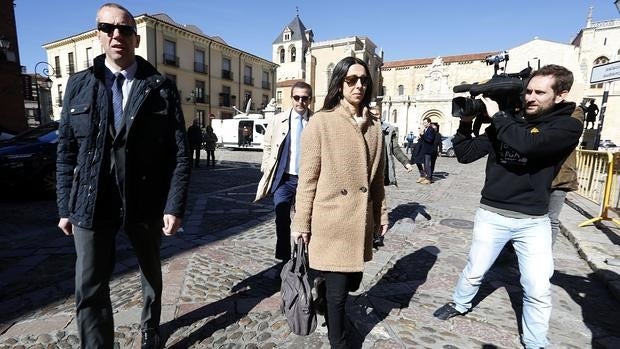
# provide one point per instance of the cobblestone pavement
(221, 287)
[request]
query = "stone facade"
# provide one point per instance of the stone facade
(212, 76)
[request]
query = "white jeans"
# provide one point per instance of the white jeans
(532, 242)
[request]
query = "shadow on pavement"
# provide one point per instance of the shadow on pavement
(222, 313)
(409, 210)
(589, 297)
(393, 291)
(37, 261)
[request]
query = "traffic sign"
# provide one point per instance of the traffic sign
(605, 72)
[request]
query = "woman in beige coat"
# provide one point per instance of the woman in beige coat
(340, 201)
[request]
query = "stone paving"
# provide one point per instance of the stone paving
(221, 287)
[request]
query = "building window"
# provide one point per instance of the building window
(225, 96)
(287, 36)
(199, 92)
(420, 87)
(265, 101)
(282, 54)
(394, 116)
(170, 53)
(89, 57)
(247, 75)
(266, 83)
(226, 72)
(57, 66)
(59, 99)
(199, 62)
(401, 90)
(71, 66)
(279, 97)
(293, 53)
(246, 98)
(201, 117)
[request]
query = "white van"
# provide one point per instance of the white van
(243, 131)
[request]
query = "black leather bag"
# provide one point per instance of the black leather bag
(297, 304)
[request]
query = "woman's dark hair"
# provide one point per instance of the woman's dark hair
(334, 90)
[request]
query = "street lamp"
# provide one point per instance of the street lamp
(45, 71)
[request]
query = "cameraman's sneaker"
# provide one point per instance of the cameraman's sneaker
(420, 179)
(447, 311)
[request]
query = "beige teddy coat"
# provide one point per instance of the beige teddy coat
(340, 195)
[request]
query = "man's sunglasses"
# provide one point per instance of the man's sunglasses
(124, 30)
(303, 98)
(353, 79)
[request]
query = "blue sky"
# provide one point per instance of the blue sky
(403, 28)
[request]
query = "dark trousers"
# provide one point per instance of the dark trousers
(211, 157)
(195, 149)
(433, 160)
(93, 268)
(283, 200)
(428, 169)
(338, 285)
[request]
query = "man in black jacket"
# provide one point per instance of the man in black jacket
(524, 155)
(122, 163)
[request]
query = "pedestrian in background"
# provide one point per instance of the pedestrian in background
(423, 153)
(194, 137)
(210, 142)
(122, 163)
(410, 137)
(436, 145)
(340, 202)
(566, 180)
(280, 165)
(591, 114)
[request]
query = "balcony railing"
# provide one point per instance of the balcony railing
(227, 74)
(248, 80)
(266, 85)
(71, 69)
(171, 60)
(224, 100)
(200, 68)
(57, 72)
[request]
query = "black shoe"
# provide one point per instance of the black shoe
(447, 311)
(151, 339)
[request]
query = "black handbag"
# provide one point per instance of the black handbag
(297, 304)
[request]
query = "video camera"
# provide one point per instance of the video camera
(505, 89)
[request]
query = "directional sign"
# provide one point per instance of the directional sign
(605, 72)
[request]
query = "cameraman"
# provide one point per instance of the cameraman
(524, 155)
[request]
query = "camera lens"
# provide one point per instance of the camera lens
(466, 106)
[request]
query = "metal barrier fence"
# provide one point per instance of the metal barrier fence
(599, 181)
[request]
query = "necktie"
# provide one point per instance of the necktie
(300, 127)
(117, 100)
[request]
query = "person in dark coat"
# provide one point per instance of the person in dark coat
(591, 114)
(122, 162)
(436, 145)
(423, 151)
(194, 137)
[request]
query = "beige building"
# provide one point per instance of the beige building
(301, 58)
(211, 75)
(417, 88)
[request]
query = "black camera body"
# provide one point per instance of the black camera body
(505, 89)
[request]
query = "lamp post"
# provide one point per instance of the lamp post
(45, 71)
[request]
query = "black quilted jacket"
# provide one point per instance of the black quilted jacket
(155, 177)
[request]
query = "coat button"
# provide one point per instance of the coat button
(363, 189)
(343, 192)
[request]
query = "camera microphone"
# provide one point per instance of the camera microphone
(461, 88)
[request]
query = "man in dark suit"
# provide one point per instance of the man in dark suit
(280, 165)
(122, 163)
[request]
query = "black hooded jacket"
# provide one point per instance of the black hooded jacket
(523, 156)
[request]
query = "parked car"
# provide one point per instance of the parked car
(28, 160)
(607, 144)
(446, 146)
